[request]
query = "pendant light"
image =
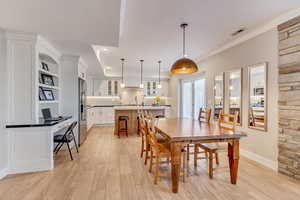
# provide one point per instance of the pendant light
(159, 85)
(141, 84)
(122, 83)
(184, 65)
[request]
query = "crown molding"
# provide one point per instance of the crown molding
(262, 29)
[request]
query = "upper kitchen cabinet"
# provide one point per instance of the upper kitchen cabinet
(151, 88)
(97, 87)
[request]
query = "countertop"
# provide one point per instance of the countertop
(140, 107)
(40, 123)
(127, 106)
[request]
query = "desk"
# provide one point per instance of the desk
(183, 131)
(31, 145)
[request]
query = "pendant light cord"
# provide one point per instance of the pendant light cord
(142, 71)
(183, 27)
(159, 72)
(183, 41)
(122, 69)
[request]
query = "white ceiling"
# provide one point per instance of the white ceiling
(150, 29)
(147, 30)
(72, 25)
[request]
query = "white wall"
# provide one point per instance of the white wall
(3, 106)
(69, 87)
(263, 48)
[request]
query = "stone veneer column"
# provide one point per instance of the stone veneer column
(289, 98)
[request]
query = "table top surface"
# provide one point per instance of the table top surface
(40, 123)
(182, 129)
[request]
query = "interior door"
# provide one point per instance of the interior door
(193, 98)
(187, 99)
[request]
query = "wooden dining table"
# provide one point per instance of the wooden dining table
(182, 131)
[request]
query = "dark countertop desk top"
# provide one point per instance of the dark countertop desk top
(40, 123)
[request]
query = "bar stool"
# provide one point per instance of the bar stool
(124, 120)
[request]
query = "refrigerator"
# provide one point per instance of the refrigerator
(82, 112)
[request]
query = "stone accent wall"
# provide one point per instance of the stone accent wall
(289, 98)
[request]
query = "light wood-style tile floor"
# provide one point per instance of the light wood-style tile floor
(110, 168)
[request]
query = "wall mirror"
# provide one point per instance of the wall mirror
(258, 97)
(235, 93)
(218, 94)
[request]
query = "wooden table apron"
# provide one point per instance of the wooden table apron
(177, 143)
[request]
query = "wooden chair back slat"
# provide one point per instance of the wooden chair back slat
(227, 121)
(204, 115)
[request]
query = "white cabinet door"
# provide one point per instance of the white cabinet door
(108, 115)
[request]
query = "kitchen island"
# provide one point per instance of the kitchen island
(131, 112)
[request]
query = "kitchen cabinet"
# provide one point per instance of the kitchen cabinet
(97, 87)
(100, 116)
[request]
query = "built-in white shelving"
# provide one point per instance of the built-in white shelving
(48, 86)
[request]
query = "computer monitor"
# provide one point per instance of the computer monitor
(46, 113)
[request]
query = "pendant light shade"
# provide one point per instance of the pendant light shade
(141, 84)
(159, 85)
(184, 65)
(122, 83)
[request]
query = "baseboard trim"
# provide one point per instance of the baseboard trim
(3, 173)
(259, 159)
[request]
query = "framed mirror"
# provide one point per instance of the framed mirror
(235, 93)
(218, 94)
(257, 97)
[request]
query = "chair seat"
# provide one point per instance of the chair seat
(160, 138)
(61, 138)
(164, 148)
(209, 146)
(159, 116)
(123, 117)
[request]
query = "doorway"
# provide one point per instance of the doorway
(192, 97)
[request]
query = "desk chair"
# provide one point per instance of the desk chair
(66, 138)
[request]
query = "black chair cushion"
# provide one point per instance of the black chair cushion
(123, 117)
(61, 138)
(160, 116)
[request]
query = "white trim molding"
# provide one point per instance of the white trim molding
(262, 29)
(3, 173)
(259, 159)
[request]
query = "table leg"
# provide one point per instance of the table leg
(175, 160)
(233, 157)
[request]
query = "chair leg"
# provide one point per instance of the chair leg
(70, 151)
(217, 158)
(126, 128)
(61, 144)
(119, 128)
(147, 150)
(195, 154)
(151, 160)
(56, 147)
(156, 168)
(210, 165)
(142, 147)
(185, 164)
(188, 151)
(75, 142)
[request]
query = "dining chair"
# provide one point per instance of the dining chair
(226, 122)
(203, 116)
(66, 138)
(159, 151)
(146, 147)
(257, 118)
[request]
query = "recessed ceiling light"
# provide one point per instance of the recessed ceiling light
(105, 49)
